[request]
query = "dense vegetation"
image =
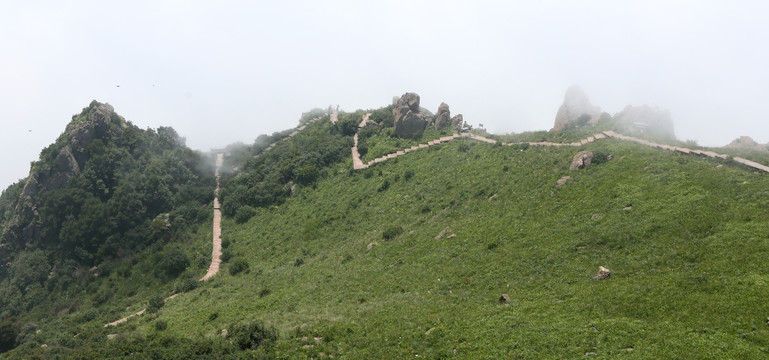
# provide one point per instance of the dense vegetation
(410, 257)
(133, 198)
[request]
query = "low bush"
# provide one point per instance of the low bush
(391, 232)
(156, 302)
(237, 266)
(253, 335)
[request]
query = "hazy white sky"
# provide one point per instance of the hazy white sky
(225, 71)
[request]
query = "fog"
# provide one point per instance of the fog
(227, 71)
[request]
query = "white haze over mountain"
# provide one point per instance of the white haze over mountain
(226, 71)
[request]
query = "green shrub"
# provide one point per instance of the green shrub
(244, 213)
(187, 284)
(253, 335)
(237, 266)
(9, 330)
(161, 325)
(391, 232)
(298, 262)
(156, 302)
(408, 174)
(600, 157)
(173, 262)
(385, 185)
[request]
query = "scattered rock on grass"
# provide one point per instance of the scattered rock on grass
(562, 181)
(627, 208)
(371, 245)
(603, 273)
(112, 336)
(224, 332)
(595, 216)
(504, 299)
(429, 331)
(443, 232)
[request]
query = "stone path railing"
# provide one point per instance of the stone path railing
(358, 164)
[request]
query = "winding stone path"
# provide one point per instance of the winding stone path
(358, 164)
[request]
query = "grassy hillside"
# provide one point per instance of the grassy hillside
(351, 265)
(687, 280)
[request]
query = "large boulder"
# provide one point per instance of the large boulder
(409, 122)
(582, 160)
(575, 105)
(443, 117)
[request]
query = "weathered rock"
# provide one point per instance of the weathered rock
(445, 231)
(645, 120)
(504, 299)
(443, 117)
(575, 104)
(562, 181)
(371, 245)
(745, 142)
(409, 121)
(457, 121)
(603, 273)
(411, 100)
(582, 160)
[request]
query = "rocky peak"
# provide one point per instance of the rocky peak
(575, 104)
(744, 142)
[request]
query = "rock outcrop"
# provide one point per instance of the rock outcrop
(645, 120)
(575, 105)
(582, 160)
(457, 121)
(409, 122)
(745, 142)
(443, 117)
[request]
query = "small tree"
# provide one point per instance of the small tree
(156, 302)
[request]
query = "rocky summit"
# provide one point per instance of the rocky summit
(575, 104)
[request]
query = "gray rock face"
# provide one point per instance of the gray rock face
(443, 117)
(409, 122)
(575, 104)
(457, 121)
(582, 160)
